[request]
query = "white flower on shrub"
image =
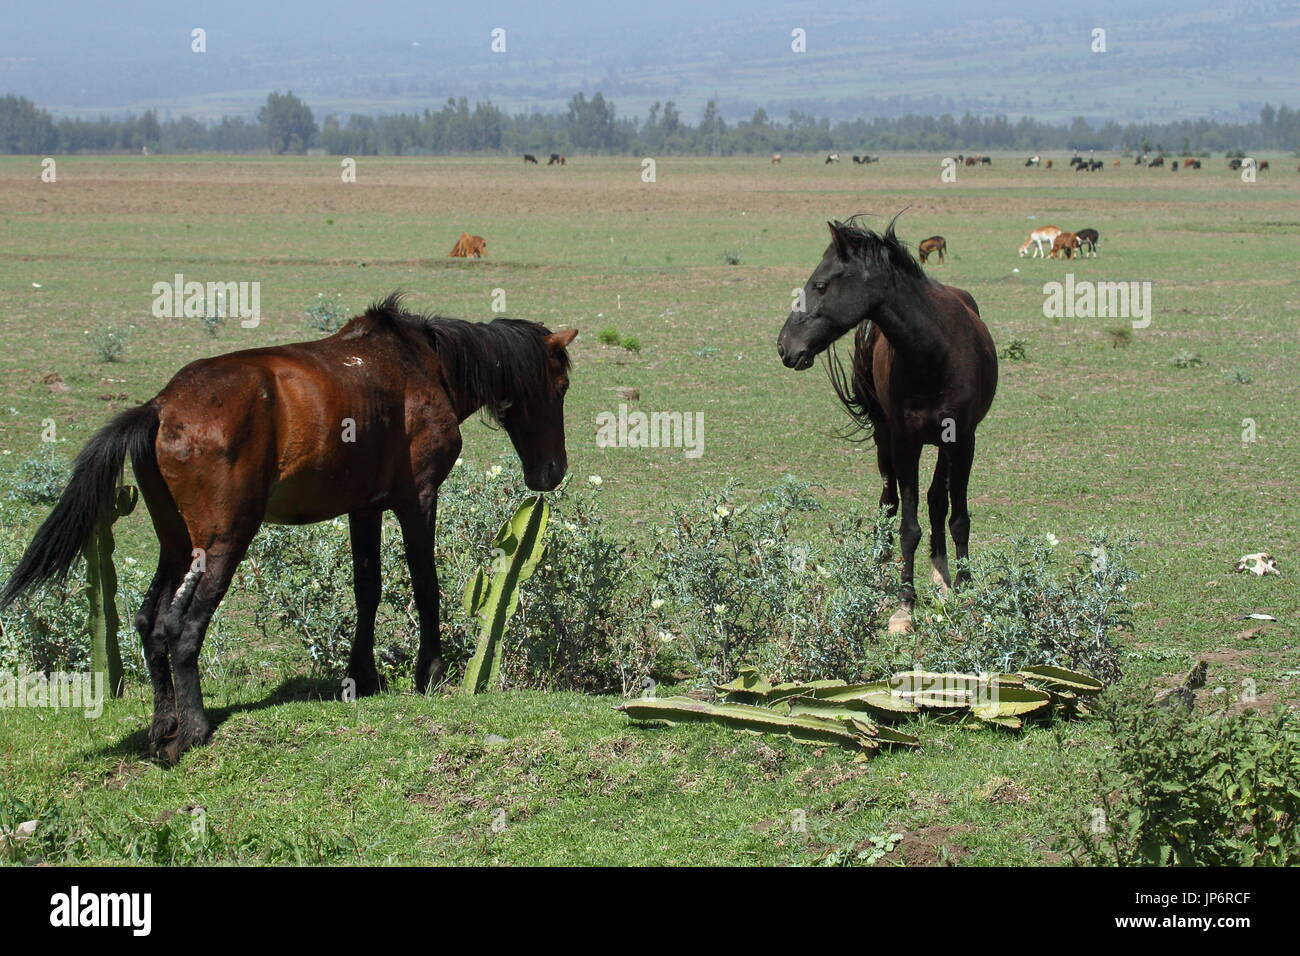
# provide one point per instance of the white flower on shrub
(720, 512)
(595, 480)
(1052, 540)
(666, 637)
(494, 471)
(458, 462)
(656, 604)
(719, 609)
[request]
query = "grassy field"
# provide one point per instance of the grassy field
(1089, 430)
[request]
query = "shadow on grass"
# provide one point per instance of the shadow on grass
(290, 690)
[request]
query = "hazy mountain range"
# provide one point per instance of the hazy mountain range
(1164, 59)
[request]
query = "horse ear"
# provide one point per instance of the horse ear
(560, 340)
(837, 237)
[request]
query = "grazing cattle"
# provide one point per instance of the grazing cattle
(986, 161)
(776, 159)
(1096, 166)
(1196, 164)
(1173, 166)
(530, 158)
(972, 160)
(1263, 165)
(1116, 163)
(1038, 238)
(1048, 164)
(1066, 242)
(242, 439)
(1158, 161)
(1088, 239)
(467, 246)
(555, 160)
(1032, 161)
(924, 372)
(929, 247)
(1076, 160)
(1234, 164)
(1082, 168)
(832, 158)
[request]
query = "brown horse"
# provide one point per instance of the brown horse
(924, 372)
(359, 423)
(467, 246)
(931, 246)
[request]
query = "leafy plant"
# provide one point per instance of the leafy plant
(631, 343)
(733, 257)
(41, 477)
(1193, 790)
(326, 314)
(1014, 351)
(1237, 376)
(109, 343)
(608, 336)
(1186, 359)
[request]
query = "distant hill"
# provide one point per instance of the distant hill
(1165, 59)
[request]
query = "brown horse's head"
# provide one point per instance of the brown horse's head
(535, 420)
(859, 269)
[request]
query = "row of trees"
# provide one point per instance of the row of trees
(285, 124)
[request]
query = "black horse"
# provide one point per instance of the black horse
(924, 372)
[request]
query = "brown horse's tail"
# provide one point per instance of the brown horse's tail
(88, 498)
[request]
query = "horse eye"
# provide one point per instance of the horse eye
(819, 286)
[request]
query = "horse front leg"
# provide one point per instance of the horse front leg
(418, 522)
(906, 456)
(365, 529)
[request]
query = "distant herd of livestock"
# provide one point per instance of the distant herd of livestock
(1078, 163)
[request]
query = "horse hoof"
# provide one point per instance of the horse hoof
(901, 622)
(939, 575)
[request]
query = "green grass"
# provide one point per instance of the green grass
(1082, 435)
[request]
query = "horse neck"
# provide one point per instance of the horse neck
(908, 324)
(463, 401)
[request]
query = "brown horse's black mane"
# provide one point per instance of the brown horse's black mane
(494, 364)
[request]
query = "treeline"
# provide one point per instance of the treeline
(285, 124)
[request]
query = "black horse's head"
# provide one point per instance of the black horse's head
(859, 269)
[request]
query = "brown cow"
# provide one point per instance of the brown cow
(1066, 242)
(467, 246)
(776, 159)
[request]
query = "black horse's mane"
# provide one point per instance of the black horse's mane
(493, 364)
(882, 249)
(886, 252)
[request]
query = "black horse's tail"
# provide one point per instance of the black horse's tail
(90, 496)
(851, 386)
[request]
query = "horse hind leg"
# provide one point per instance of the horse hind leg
(906, 456)
(937, 499)
(961, 458)
(365, 529)
(186, 623)
(150, 622)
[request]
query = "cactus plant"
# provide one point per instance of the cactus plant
(101, 593)
(491, 596)
(836, 712)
